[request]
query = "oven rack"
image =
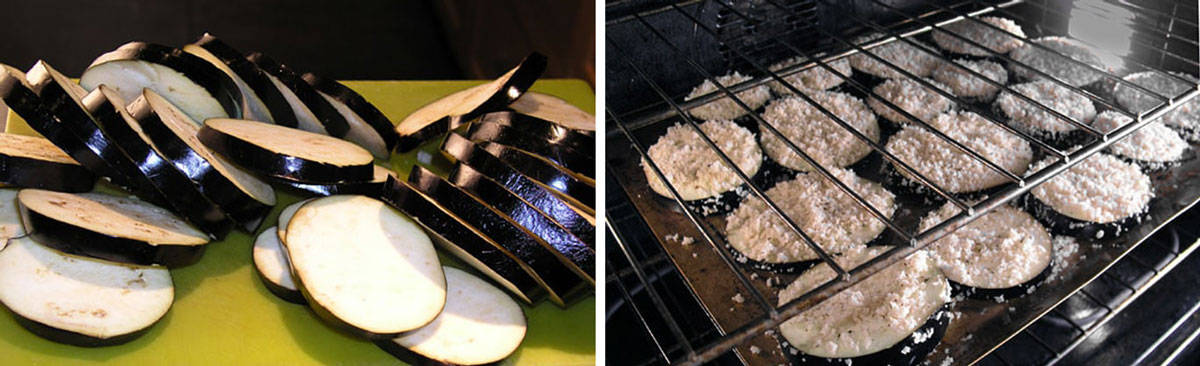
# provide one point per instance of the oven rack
(737, 330)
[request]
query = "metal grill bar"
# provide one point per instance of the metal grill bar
(853, 276)
(637, 311)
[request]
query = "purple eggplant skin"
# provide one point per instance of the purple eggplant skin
(25, 172)
(565, 284)
(533, 126)
(581, 162)
(1064, 225)
(441, 224)
(333, 121)
(270, 163)
(255, 78)
(72, 338)
(359, 105)
(71, 239)
(461, 149)
(242, 208)
(373, 189)
(212, 79)
(529, 217)
(527, 72)
(182, 196)
(62, 119)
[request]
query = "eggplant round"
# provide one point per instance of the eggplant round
(533, 126)
(896, 316)
(442, 115)
(72, 128)
(565, 282)
(34, 162)
(364, 267)
(458, 238)
(533, 220)
(579, 161)
(287, 153)
(358, 105)
(10, 217)
(463, 150)
(180, 194)
(285, 215)
(372, 188)
(554, 109)
(252, 81)
(176, 75)
(118, 229)
(273, 268)
(480, 325)
(81, 301)
(1004, 253)
(242, 196)
(538, 169)
(330, 118)
(473, 180)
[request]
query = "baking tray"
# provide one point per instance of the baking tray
(981, 326)
(224, 316)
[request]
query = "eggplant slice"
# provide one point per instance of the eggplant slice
(253, 80)
(81, 301)
(287, 153)
(493, 259)
(541, 170)
(563, 228)
(357, 106)
(10, 217)
(480, 325)
(34, 162)
(183, 196)
(118, 229)
(532, 126)
(271, 263)
(579, 161)
(554, 109)
(445, 114)
(74, 130)
(564, 284)
(364, 267)
(197, 87)
(466, 152)
(285, 216)
(372, 188)
(332, 121)
(241, 195)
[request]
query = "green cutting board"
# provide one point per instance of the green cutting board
(224, 316)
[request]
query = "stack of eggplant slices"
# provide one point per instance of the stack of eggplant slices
(199, 138)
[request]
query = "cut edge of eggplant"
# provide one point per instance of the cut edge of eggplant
(460, 149)
(30, 168)
(218, 84)
(555, 109)
(435, 118)
(359, 105)
(219, 135)
(254, 78)
(331, 120)
(581, 162)
(273, 268)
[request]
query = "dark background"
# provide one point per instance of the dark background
(360, 39)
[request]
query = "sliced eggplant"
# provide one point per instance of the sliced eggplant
(331, 120)
(261, 101)
(565, 230)
(499, 262)
(34, 162)
(579, 161)
(371, 188)
(241, 195)
(183, 196)
(533, 126)
(303, 117)
(285, 216)
(194, 85)
(287, 153)
(581, 261)
(480, 325)
(463, 150)
(554, 109)
(356, 105)
(118, 229)
(271, 263)
(364, 267)
(541, 170)
(563, 285)
(445, 114)
(73, 129)
(10, 217)
(81, 301)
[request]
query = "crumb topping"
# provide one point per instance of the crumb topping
(965, 84)
(994, 40)
(694, 168)
(914, 98)
(726, 108)
(1186, 115)
(1001, 249)
(1152, 143)
(1054, 64)
(1100, 189)
(815, 133)
(816, 78)
(900, 53)
(1034, 118)
(951, 168)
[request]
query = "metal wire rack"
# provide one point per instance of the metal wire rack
(1163, 39)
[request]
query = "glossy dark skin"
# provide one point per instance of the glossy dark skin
(463, 150)
(25, 172)
(212, 79)
(333, 121)
(582, 162)
(547, 173)
(364, 109)
(266, 91)
(266, 162)
(71, 239)
(552, 132)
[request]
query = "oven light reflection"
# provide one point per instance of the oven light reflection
(1106, 26)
